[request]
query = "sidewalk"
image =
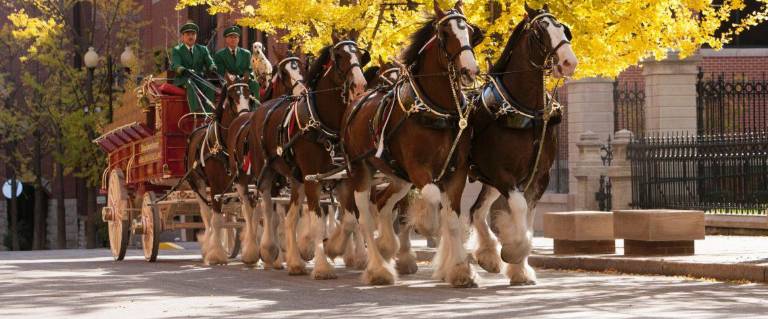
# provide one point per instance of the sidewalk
(717, 257)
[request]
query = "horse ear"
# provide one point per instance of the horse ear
(528, 10)
(354, 34)
(477, 35)
(335, 36)
(246, 77)
(545, 8)
(381, 61)
(438, 12)
(229, 77)
(459, 6)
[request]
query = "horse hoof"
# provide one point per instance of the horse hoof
(297, 270)
(521, 275)
(323, 274)
(489, 260)
(461, 276)
(378, 277)
(269, 253)
(406, 264)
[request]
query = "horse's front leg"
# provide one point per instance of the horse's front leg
(516, 239)
(317, 225)
(452, 264)
(486, 253)
(388, 242)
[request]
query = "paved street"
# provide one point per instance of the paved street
(80, 283)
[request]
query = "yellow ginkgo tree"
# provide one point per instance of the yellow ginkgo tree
(609, 35)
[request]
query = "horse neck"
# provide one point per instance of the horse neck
(328, 102)
(526, 87)
(432, 86)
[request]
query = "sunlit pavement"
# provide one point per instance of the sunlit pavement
(86, 283)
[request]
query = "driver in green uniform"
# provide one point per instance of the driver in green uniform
(191, 62)
(236, 61)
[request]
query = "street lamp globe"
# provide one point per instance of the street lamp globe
(127, 58)
(91, 58)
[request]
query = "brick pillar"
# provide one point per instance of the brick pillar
(620, 171)
(590, 108)
(670, 94)
(3, 222)
(587, 171)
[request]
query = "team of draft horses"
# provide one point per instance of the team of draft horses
(406, 133)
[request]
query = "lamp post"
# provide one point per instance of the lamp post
(91, 61)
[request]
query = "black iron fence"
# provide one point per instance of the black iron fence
(628, 107)
(731, 103)
(720, 173)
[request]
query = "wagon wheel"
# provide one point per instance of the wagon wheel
(150, 220)
(118, 214)
(230, 237)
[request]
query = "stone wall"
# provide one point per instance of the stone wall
(72, 229)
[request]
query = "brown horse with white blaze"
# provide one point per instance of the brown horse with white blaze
(515, 113)
(416, 134)
(207, 165)
(296, 139)
(286, 81)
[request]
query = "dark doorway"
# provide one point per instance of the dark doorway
(25, 226)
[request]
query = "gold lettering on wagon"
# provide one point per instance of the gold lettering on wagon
(149, 151)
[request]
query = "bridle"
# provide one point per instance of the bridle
(453, 14)
(534, 24)
(343, 74)
(384, 75)
(278, 75)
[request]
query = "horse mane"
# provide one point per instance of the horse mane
(501, 63)
(318, 66)
(370, 73)
(418, 39)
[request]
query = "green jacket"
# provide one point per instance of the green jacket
(239, 65)
(199, 60)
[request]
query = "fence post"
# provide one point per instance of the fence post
(587, 171)
(620, 171)
(590, 108)
(670, 94)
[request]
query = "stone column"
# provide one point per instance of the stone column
(670, 94)
(587, 171)
(620, 171)
(3, 222)
(590, 108)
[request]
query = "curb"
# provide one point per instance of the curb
(723, 272)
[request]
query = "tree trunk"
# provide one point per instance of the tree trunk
(61, 216)
(91, 230)
(39, 218)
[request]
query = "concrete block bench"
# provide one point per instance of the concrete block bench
(580, 232)
(658, 231)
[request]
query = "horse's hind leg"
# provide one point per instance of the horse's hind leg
(293, 260)
(377, 271)
(339, 241)
(387, 241)
(270, 251)
(486, 253)
(305, 235)
(516, 240)
(406, 259)
(317, 226)
(250, 239)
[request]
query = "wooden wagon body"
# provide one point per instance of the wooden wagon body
(145, 149)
